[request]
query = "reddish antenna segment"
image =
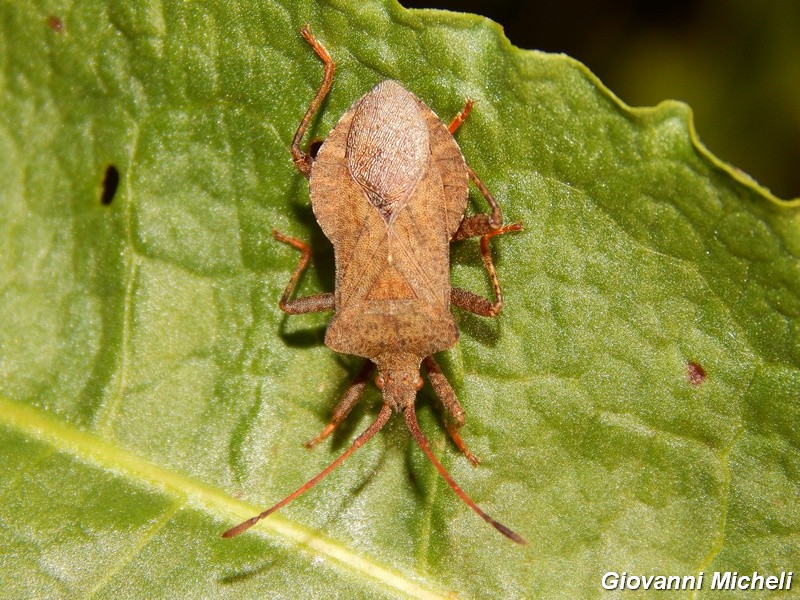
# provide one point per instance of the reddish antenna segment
(377, 425)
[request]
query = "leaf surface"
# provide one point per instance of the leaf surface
(152, 394)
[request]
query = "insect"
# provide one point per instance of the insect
(389, 187)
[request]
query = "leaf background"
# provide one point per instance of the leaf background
(152, 394)
(737, 64)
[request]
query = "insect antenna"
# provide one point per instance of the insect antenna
(422, 442)
(362, 439)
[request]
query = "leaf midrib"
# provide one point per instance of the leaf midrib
(87, 447)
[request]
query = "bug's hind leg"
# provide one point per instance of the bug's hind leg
(481, 224)
(462, 115)
(301, 159)
(444, 391)
(346, 404)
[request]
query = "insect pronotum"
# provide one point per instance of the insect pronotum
(389, 187)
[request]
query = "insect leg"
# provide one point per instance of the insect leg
(346, 404)
(478, 304)
(308, 304)
(462, 115)
(483, 224)
(445, 393)
(301, 159)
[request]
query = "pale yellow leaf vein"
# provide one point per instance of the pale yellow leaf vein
(90, 448)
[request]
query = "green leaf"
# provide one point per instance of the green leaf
(152, 394)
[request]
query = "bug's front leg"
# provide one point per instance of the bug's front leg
(307, 304)
(445, 393)
(346, 404)
(301, 159)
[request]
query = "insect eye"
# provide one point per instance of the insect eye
(380, 381)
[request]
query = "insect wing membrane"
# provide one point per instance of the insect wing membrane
(387, 146)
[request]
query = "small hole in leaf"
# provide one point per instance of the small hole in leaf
(56, 24)
(313, 148)
(695, 373)
(110, 183)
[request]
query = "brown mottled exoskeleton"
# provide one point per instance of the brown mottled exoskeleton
(389, 189)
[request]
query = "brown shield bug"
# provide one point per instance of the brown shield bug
(389, 189)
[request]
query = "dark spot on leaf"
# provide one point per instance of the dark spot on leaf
(110, 183)
(313, 148)
(695, 373)
(54, 23)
